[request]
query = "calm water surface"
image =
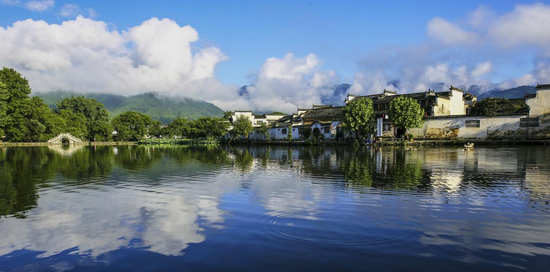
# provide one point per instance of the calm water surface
(274, 209)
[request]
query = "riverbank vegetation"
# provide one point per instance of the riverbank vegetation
(28, 119)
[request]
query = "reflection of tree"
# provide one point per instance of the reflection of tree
(359, 168)
(86, 163)
(209, 155)
(137, 157)
(402, 173)
(20, 170)
(243, 159)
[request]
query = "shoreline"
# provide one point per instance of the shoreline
(457, 142)
(2, 144)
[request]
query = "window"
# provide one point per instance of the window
(327, 130)
(529, 122)
(283, 131)
(473, 123)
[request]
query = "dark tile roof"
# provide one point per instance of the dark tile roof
(542, 86)
(328, 112)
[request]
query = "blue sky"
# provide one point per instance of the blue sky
(349, 39)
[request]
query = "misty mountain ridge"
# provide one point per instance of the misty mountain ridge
(517, 92)
(159, 107)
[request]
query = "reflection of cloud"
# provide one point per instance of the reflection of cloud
(163, 223)
(514, 237)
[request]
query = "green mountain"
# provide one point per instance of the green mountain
(157, 106)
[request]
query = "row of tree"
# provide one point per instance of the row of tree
(24, 118)
(28, 119)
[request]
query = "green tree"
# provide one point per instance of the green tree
(406, 113)
(3, 108)
(179, 127)
(72, 122)
(264, 130)
(306, 132)
(41, 121)
(358, 116)
(493, 106)
(289, 134)
(131, 126)
(155, 129)
(241, 127)
(209, 127)
(227, 115)
(15, 100)
(97, 117)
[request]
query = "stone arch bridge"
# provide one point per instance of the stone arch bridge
(67, 137)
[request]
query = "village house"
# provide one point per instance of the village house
(530, 121)
(324, 121)
(450, 103)
(447, 116)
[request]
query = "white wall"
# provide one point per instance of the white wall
(539, 105)
(457, 103)
(456, 127)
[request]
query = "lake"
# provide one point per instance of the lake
(116, 208)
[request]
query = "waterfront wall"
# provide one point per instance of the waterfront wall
(482, 127)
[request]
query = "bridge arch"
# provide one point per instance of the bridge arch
(65, 137)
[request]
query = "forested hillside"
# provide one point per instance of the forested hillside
(164, 109)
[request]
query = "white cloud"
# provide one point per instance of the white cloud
(285, 84)
(443, 31)
(526, 24)
(482, 69)
(86, 55)
(91, 13)
(70, 10)
(40, 5)
(10, 2)
(481, 17)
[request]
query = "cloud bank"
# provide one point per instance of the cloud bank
(159, 55)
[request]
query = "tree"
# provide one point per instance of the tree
(495, 105)
(227, 115)
(22, 118)
(306, 132)
(72, 122)
(289, 135)
(3, 108)
(131, 125)
(155, 129)
(97, 117)
(179, 127)
(264, 130)
(15, 101)
(209, 127)
(358, 116)
(242, 127)
(406, 113)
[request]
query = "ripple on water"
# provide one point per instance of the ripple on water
(339, 227)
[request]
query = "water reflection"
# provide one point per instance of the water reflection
(488, 207)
